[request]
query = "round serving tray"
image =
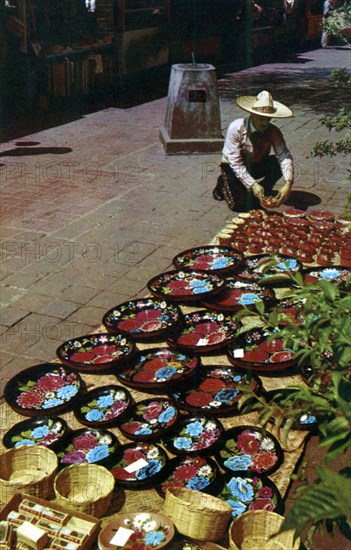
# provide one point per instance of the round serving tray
(140, 465)
(254, 351)
(198, 473)
(96, 352)
(216, 392)
(195, 435)
(47, 431)
(143, 319)
(151, 531)
(239, 295)
(250, 449)
(157, 369)
(92, 445)
(185, 286)
(333, 274)
(48, 388)
(103, 406)
(250, 492)
(205, 331)
(216, 259)
(269, 268)
(150, 419)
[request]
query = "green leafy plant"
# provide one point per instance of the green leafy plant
(339, 24)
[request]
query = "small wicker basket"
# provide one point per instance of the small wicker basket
(27, 469)
(85, 487)
(197, 515)
(259, 530)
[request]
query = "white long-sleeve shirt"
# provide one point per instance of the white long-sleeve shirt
(243, 141)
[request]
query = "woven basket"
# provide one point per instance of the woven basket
(197, 515)
(259, 530)
(87, 488)
(27, 469)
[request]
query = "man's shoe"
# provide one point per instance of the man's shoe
(217, 194)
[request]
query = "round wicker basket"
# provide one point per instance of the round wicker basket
(197, 515)
(85, 487)
(29, 469)
(259, 530)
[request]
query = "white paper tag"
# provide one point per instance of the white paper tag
(202, 342)
(239, 353)
(122, 536)
(141, 463)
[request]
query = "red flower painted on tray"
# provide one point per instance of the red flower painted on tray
(77, 457)
(144, 376)
(265, 492)
(206, 328)
(132, 455)
(199, 398)
(129, 324)
(30, 399)
(247, 442)
(131, 427)
(150, 326)
(264, 460)
(262, 504)
(50, 382)
(148, 315)
(153, 410)
(155, 364)
(84, 442)
(187, 471)
(120, 473)
(212, 384)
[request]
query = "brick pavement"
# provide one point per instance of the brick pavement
(95, 208)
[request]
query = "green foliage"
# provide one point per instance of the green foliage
(339, 23)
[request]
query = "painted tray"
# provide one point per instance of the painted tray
(198, 473)
(142, 320)
(334, 274)
(205, 331)
(250, 449)
(140, 465)
(250, 492)
(149, 531)
(306, 421)
(47, 431)
(96, 352)
(217, 259)
(195, 435)
(239, 295)
(290, 310)
(48, 388)
(150, 419)
(103, 406)
(273, 268)
(217, 392)
(182, 286)
(253, 350)
(92, 445)
(159, 368)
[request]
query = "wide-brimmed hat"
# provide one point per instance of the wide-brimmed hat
(264, 105)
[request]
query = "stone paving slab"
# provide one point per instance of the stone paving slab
(96, 208)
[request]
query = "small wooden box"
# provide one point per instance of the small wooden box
(14, 502)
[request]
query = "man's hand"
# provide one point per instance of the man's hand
(258, 191)
(283, 193)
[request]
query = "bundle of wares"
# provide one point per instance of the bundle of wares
(134, 438)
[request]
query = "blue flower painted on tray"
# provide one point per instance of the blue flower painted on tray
(182, 443)
(143, 431)
(194, 428)
(40, 432)
(238, 508)
(154, 538)
(226, 394)
(329, 273)
(105, 401)
(150, 470)
(198, 483)
(238, 462)
(198, 286)
(66, 392)
(94, 415)
(24, 442)
(248, 298)
(98, 453)
(241, 489)
(308, 419)
(287, 264)
(165, 372)
(52, 403)
(167, 415)
(219, 263)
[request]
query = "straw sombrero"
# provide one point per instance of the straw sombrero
(264, 105)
